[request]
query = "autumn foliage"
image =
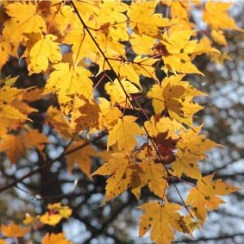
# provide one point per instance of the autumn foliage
(117, 72)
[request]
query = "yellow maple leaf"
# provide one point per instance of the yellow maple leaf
(154, 176)
(164, 124)
(24, 19)
(219, 37)
(39, 59)
(13, 230)
(5, 51)
(204, 197)
(142, 44)
(224, 21)
(66, 80)
(175, 96)
(120, 171)
(191, 148)
(126, 71)
(51, 238)
(55, 213)
(117, 93)
(84, 114)
(109, 114)
(143, 19)
(162, 219)
(123, 133)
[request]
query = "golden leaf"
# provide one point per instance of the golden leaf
(13, 230)
(51, 238)
(123, 134)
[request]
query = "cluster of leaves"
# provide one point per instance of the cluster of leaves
(96, 69)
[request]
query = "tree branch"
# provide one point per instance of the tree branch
(217, 238)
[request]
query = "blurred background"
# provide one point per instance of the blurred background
(117, 221)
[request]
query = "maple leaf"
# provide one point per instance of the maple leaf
(51, 238)
(56, 119)
(16, 145)
(123, 133)
(175, 96)
(35, 139)
(39, 60)
(13, 110)
(13, 146)
(66, 80)
(166, 147)
(85, 114)
(164, 125)
(143, 20)
(109, 114)
(179, 54)
(204, 197)
(142, 44)
(5, 51)
(82, 157)
(191, 148)
(13, 230)
(151, 174)
(162, 219)
(224, 21)
(117, 93)
(55, 213)
(126, 70)
(119, 168)
(24, 19)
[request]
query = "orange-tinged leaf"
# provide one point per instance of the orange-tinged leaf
(13, 146)
(82, 157)
(124, 132)
(56, 119)
(84, 114)
(13, 230)
(3, 241)
(162, 219)
(52, 219)
(35, 139)
(51, 238)
(180, 63)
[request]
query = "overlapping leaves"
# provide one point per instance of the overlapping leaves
(134, 41)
